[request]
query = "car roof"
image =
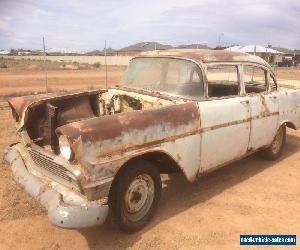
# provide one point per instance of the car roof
(207, 56)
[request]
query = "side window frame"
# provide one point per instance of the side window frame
(267, 75)
(202, 71)
(240, 82)
(272, 76)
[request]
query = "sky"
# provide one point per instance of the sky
(85, 25)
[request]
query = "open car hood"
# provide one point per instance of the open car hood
(21, 105)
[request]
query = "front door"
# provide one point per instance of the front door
(225, 119)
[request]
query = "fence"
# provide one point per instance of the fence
(111, 60)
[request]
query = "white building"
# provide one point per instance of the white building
(270, 55)
(4, 52)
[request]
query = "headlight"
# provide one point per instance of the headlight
(65, 148)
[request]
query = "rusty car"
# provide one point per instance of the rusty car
(83, 155)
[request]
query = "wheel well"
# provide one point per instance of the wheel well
(164, 163)
(290, 125)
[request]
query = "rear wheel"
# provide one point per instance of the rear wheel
(135, 195)
(274, 151)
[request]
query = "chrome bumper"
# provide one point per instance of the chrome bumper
(65, 208)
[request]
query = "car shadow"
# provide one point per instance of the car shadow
(179, 195)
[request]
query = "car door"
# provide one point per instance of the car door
(225, 118)
(263, 105)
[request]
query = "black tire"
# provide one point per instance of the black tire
(134, 195)
(274, 151)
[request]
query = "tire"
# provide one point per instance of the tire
(274, 151)
(134, 196)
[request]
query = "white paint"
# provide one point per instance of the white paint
(289, 106)
(186, 151)
(263, 124)
(228, 142)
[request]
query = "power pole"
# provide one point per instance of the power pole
(45, 66)
(105, 64)
(219, 40)
(252, 79)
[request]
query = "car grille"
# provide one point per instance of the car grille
(51, 168)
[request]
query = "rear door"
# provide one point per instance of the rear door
(259, 86)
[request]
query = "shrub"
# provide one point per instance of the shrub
(97, 65)
(3, 65)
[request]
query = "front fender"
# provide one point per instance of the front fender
(107, 139)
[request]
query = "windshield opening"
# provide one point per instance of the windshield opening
(175, 76)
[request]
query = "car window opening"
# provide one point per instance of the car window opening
(222, 80)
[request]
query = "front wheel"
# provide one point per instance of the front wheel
(274, 151)
(135, 195)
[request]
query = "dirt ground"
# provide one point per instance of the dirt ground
(251, 196)
(23, 82)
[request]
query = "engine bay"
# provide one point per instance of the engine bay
(43, 118)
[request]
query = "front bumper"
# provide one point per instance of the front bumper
(65, 208)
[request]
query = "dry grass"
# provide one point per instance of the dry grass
(288, 73)
(21, 78)
(33, 65)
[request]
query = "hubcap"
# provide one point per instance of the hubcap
(139, 196)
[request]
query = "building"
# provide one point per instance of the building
(289, 54)
(4, 52)
(297, 55)
(270, 55)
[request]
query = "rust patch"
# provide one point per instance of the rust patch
(20, 104)
(150, 93)
(103, 139)
(112, 126)
(178, 158)
(265, 110)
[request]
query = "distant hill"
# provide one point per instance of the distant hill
(145, 46)
(193, 46)
(109, 51)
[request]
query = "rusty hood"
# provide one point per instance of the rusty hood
(20, 105)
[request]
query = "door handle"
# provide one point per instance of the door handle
(247, 102)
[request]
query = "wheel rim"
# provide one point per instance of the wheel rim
(139, 197)
(276, 144)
